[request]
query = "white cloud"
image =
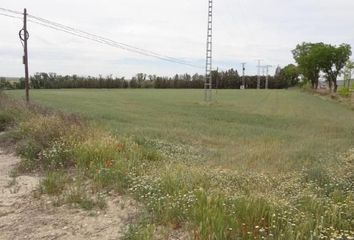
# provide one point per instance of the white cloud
(244, 30)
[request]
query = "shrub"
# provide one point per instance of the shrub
(53, 183)
(6, 120)
(344, 92)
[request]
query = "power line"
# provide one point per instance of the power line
(112, 44)
(93, 37)
(11, 11)
(104, 39)
(7, 15)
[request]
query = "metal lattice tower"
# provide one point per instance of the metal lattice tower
(267, 75)
(208, 86)
(259, 74)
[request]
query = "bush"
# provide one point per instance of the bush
(6, 120)
(344, 92)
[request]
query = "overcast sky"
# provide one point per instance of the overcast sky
(244, 30)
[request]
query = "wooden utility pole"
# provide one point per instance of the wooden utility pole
(24, 37)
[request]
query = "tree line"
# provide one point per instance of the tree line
(229, 79)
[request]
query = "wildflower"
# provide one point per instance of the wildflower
(120, 147)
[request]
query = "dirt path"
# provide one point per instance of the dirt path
(24, 217)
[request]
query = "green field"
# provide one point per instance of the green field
(274, 164)
(260, 130)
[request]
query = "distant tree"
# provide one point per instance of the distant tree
(20, 84)
(308, 58)
(4, 84)
(348, 73)
(152, 77)
(277, 71)
(197, 81)
(333, 61)
(133, 83)
(290, 75)
(312, 58)
(141, 77)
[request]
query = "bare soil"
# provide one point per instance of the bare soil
(23, 216)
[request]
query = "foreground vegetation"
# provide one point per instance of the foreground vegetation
(263, 196)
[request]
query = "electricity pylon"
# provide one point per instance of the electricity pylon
(208, 86)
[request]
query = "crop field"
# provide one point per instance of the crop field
(274, 164)
(263, 130)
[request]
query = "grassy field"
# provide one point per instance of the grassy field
(261, 130)
(253, 165)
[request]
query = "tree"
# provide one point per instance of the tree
(289, 75)
(308, 58)
(313, 58)
(277, 71)
(333, 60)
(140, 78)
(4, 84)
(347, 72)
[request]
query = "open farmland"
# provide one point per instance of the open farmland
(253, 165)
(263, 130)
